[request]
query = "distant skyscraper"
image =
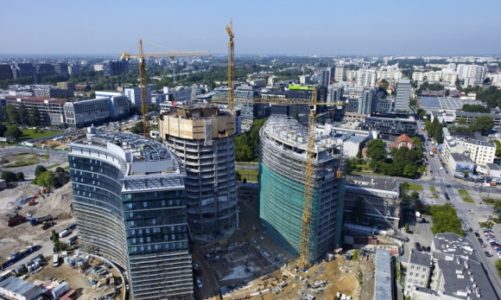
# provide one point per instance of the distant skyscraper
(471, 74)
(365, 104)
(403, 95)
(340, 73)
(6, 72)
(324, 77)
(61, 69)
(129, 202)
(334, 93)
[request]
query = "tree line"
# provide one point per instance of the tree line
(22, 116)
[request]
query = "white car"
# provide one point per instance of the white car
(199, 283)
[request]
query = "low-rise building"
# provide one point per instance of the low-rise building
(14, 288)
(402, 141)
(460, 163)
(378, 199)
(390, 124)
(480, 150)
(418, 271)
(383, 277)
(51, 110)
(86, 112)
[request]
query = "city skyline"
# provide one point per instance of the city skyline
(365, 28)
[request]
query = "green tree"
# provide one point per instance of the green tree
(3, 128)
(483, 124)
(410, 170)
(498, 267)
(9, 176)
(376, 150)
(39, 169)
(20, 176)
(498, 148)
(476, 108)
(23, 115)
(34, 117)
(138, 128)
(13, 132)
(45, 179)
(12, 115)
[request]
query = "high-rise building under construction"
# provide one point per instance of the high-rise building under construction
(281, 184)
(129, 202)
(203, 138)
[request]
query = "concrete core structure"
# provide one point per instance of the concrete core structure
(281, 184)
(203, 138)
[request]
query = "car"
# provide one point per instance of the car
(418, 246)
(476, 234)
(480, 240)
(448, 186)
(447, 197)
(200, 283)
(488, 253)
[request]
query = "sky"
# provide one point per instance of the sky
(263, 27)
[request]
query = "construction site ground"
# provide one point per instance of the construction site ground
(250, 263)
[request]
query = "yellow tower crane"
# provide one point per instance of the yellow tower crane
(231, 66)
(143, 78)
(309, 173)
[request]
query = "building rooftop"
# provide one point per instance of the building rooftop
(461, 157)
(444, 103)
(420, 258)
(494, 166)
(452, 244)
(197, 111)
(383, 281)
(21, 287)
(385, 184)
(33, 99)
(289, 132)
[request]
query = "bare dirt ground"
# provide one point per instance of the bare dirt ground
(56, 203)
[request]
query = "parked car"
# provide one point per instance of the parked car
(476, 234)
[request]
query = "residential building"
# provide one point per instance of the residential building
(403, 96)
(480, 150)
(470, 117)
(380, 199)
(134, 95)
(324, 77)
(130, 207)
(457, 274)
(496, 80)
(334, 93)
(6, 72)
(119, 104)
(366, 78)
(402, 141)
(281, 187)
(460, 163)
(419, 268)
(366, 102)
(383, 276)
(203, 139)
(340, 73)
(86, 112)
(471, 74)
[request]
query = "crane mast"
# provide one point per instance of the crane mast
(231, 66)
(143, 78)
(309, 182)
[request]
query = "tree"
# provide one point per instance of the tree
(13, 132)
(45, 179)
(410, 170)
(498, 267)
(138, 128)
(476, 108)
(483, 124)
(39, 169)
(20, 176)
(23, 115)
(376, 150)
(3, 128)
(61, 177)
(12, 114)
(34, 117)
(498, 148)
(9, 176)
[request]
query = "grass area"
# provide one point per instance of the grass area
(433, 191)
(415, 187)
(486, 224)
(445, 219)
(490, 201)
(249, 175)
(29, 134)
(247, 163)
(465, 195)
(21, 160)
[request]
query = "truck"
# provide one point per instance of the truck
(36, 221)
(64, 233)
(16, 220)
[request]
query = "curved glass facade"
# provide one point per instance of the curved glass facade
(281, 194)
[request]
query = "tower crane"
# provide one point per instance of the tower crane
(231, 66)
(143, 78)
(309, 173)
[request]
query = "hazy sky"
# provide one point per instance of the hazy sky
(327, 27)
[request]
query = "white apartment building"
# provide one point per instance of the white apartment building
(366, 78)
(471, 74)
(480, 151)
(418, 271)
(496, 80)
